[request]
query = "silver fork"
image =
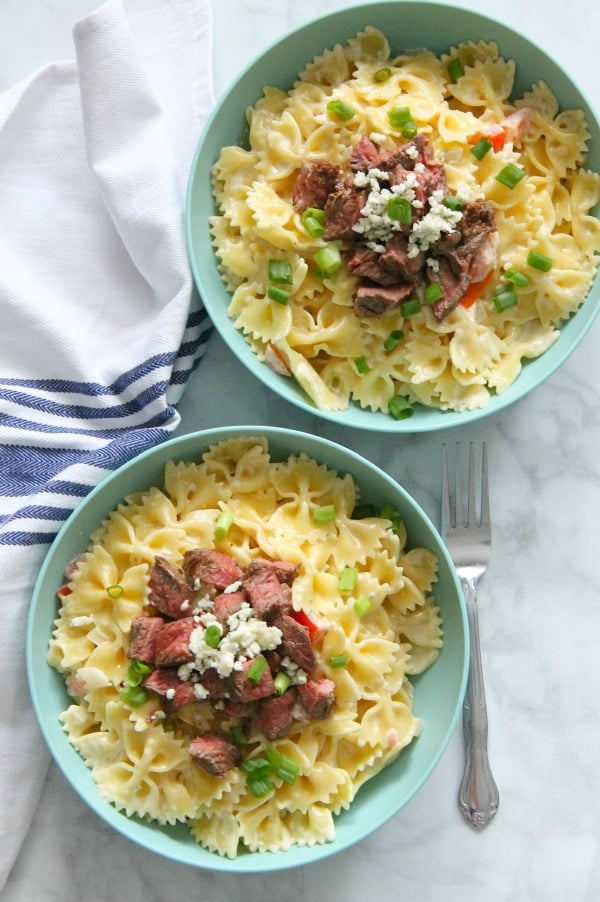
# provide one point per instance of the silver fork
(468, 539)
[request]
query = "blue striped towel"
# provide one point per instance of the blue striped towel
(100, 328)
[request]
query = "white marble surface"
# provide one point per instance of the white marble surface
(540, 602)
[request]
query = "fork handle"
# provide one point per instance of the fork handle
(478, 796)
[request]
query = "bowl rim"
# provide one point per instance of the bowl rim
(534, 372)
(40, 673)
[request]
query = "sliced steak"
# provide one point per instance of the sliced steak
(396, 261)
(210, 568)
(245, 690)
(168, 590)
(369, 264)
(172, 643)
(174, 692)
(314, 183)
(295, 642)
(214, 753)
(142, 638)
(285, 571)
(317, 697)
(366, 155)
(373, 300)
(453, 286)
(342, 210)
(275, 715)
(226, 604)
(267, 595)
(215, 685)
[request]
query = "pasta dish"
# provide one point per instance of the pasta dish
(238, 643)
(401, 229)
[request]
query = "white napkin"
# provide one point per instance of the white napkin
(99, 325)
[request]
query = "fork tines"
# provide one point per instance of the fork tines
(460, 499)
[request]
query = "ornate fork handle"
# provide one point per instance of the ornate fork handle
(478, 797)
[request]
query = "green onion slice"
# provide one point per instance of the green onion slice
(340, 110)
(510, 175)
(280, 271)
(278, 294)
(212, 635)
(284, 767)
(362, 605)
(223, 524)
(137, 671)
(338, 661)
(256, 669)
(453, 203)
(347, 580)
(237, 735)
(455, 69)
(282, 682)
(134, 696)
(362, 365)
(328, 260)
(399, 209)
(260, 788)
(114, 591)
(313, 221)
(481, 148)
(382, 74)
(326, 513)
(400, 408)
(433, 292)
(504, 297)
(393, 340)
(411, 306)
(409, 129)
(517, 278)
(400, 117)
(256, 767)
(539, 261)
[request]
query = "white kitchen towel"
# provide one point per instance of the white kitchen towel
(99, 325)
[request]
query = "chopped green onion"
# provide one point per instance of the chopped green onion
(389, 512)
(256, 669)
(237, 735)
(455, 69)
(134, 696)
(504, 297)
(212, 635)
(278, 294)
(281, 681)
(409, 129)
(347, 579)
(399, 209)
(399, 117)
(452, 202)
(137, 670)
(539, 261)
(256, 767)
(433, 292)
(382, 74)
(400, 408)
(280, 271)
(362, 605)
(313, 221)
(412, 305)
(324, 514)
(223, 524)
(362, 365)
(337, 661)
(260, 788)
(517, 278)
(284, 767)
(341, 110)
(481, 148)
(328, 260)
(510, 175)
(114, 591)
(363, 510)
(393, 339)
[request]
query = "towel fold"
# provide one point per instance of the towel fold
(100, 327)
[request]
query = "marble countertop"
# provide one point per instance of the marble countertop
(540, 601)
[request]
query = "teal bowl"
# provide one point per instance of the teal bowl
(406, 25)
(438, 692)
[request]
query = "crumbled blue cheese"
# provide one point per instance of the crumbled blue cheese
(375, 224)
(246, 638)
(438, 220)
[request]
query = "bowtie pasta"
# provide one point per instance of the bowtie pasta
(140, 761)
(548, 239)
